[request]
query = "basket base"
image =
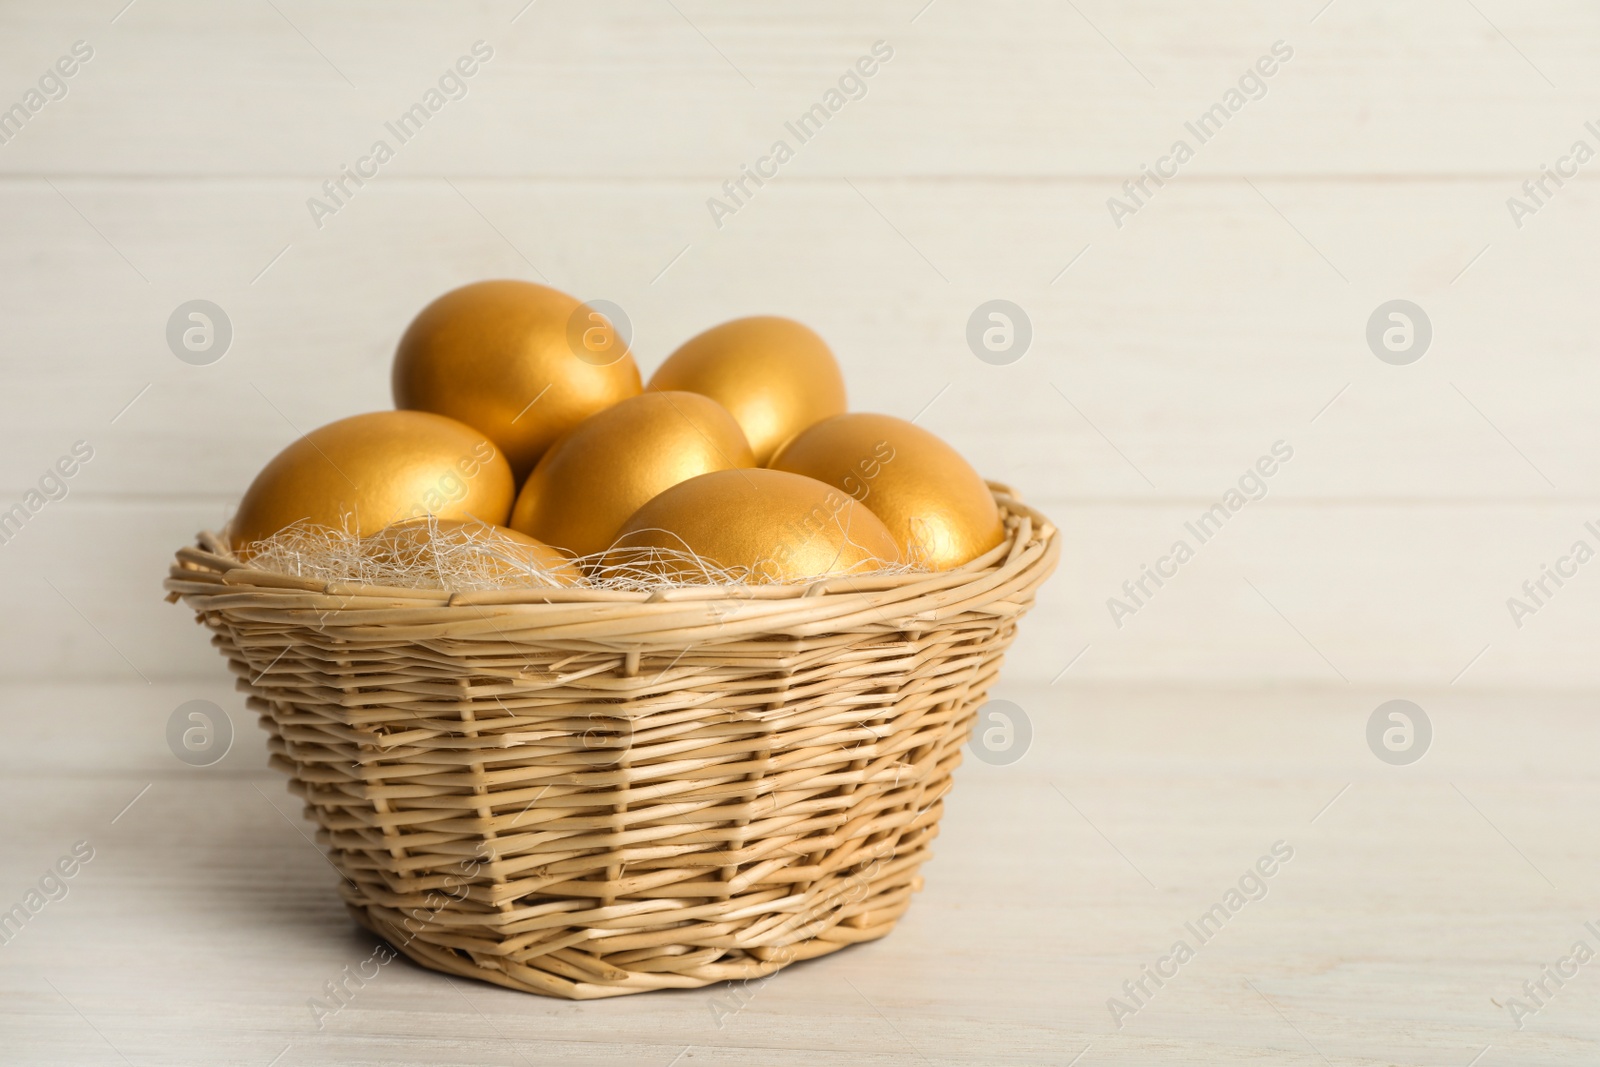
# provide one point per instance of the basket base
(512, 975)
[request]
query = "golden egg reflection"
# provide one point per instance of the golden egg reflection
(774, 375)
(937, 507)
(753, 525)
(522, 362)
(605, 469)
(362, 473)
(478, 551)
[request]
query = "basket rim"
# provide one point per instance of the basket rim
(208, 578)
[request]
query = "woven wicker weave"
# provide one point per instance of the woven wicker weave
(588, 792)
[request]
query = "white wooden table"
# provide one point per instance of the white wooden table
(1418, 900)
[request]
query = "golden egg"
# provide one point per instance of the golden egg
(469, 548)
(521, 362)
(757, 525)
(605, 469)
(937, 507)
(775, 376)
(362, 473)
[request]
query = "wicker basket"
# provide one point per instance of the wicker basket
(585, 792)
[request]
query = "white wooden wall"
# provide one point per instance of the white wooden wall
(1227, 314)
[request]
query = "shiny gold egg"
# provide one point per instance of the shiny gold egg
(606, 468)
(937, 507)
(752, 525)
(362, 473)
(775, 375)
(521, 362)
(444, 547)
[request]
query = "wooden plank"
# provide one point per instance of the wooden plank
(1301, 592)
(1167, 360)
(1025, 88)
